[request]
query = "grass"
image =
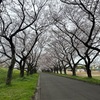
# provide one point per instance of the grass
(2, 75)
(21, 88)
(97, 77)
(94, 80)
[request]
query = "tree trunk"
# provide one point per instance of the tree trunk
(89, 72)
(33, 70)
(57, 70)
(60, 69)
(73, 71)
(22, 67)
(22, 72)
(65, 70)
(11, 67)
(10, 72)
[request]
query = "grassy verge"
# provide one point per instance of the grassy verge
(94, 80)
(21, 88)
(97, 77)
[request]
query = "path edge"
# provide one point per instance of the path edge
(37, 92)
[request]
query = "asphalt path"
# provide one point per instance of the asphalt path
(59, 88)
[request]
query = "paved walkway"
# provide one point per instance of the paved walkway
(58, 88)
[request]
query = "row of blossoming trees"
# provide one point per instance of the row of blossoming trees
(22, 27)
(75, 35)
(72, 26)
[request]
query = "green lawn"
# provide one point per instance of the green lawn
(21, 88)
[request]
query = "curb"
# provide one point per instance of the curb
(37, 93)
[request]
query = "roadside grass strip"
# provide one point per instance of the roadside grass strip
(94, 80)
(21, 88)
